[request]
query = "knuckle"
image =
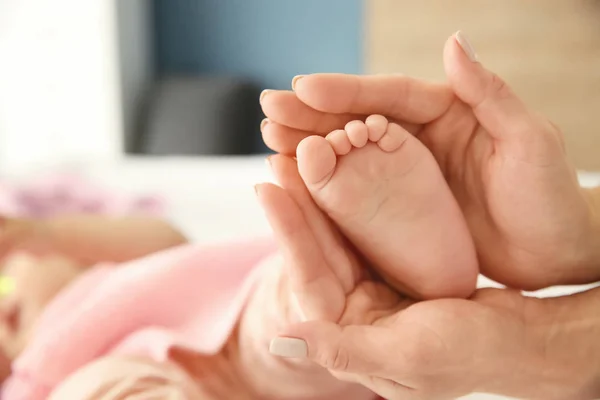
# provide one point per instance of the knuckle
(499, 87)
(338, 359)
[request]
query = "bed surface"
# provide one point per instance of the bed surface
(212, 198)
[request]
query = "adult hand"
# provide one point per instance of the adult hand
(361, 331)
(496, 342)
(320, 279)
(531, 222)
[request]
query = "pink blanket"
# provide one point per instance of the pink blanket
(189, 296)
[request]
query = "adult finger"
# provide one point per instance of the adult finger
(386, 388)
(281, 138)
(319, 293)
(389, 389)
(395, 96)
(285, 108)
(332, 244)
(498, 109)
(367, 352)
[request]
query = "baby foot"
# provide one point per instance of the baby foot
(386, 192)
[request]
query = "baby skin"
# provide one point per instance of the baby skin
(385, 191)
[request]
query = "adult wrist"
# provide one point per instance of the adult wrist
(546, 349)
(564, 347)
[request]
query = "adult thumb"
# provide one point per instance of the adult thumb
(498, 109)
(353, 349)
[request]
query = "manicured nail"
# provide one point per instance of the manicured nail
(257, 190)
(288, 347)
(263, 94)
(264, 123)
(295, 80)
(466, 46)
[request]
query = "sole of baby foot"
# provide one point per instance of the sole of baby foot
(385, 191)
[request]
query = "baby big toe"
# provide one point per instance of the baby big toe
(316, 160)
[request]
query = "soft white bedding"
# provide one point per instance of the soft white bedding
(212, 198)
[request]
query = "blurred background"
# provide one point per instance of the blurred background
(98, 79)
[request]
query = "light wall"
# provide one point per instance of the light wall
(59, 82)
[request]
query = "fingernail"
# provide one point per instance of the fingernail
(257, 190)
(263, 123)
(263, 94)
(466, 46)
(295, 80)
(288, 347)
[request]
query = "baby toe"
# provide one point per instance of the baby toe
(376, 126)
(357, 133)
